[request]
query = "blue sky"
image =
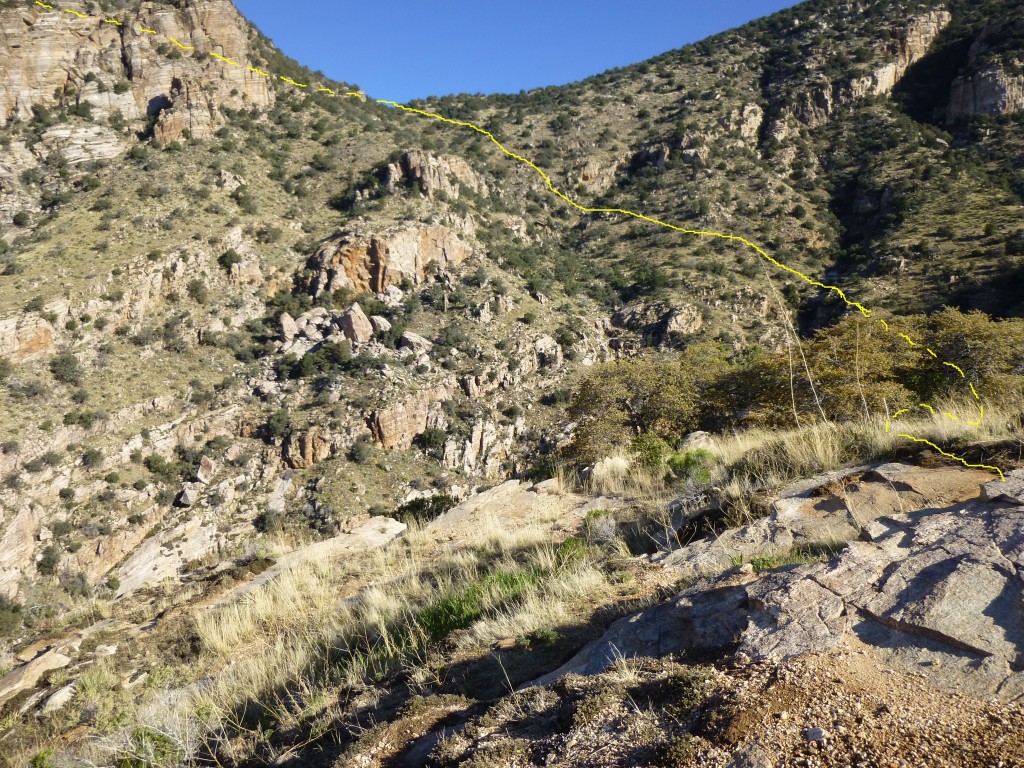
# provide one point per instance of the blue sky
(401, 49)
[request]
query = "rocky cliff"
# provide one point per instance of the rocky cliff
(50, 59)
(994, 84)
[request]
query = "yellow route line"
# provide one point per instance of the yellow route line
(925, 405)
(930, 352)
(633, 214)
(76, 13)
(113, 21)
(954, 456)
(180, 45)
(973, 390)
(223, 58)
(621, 211)
(957, 368)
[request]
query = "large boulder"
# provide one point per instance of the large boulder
(415, 342)
(289, 328)
(356, 325)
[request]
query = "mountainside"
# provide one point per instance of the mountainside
(268, 344)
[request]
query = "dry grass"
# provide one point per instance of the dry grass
(769, 458)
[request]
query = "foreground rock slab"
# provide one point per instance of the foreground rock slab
(937, 590)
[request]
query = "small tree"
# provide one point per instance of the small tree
(198, 291)
(228, 259)
(66, 368)
(47, 564)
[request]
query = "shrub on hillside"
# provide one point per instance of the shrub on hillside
(66, 368)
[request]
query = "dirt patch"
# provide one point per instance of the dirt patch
(825, 710)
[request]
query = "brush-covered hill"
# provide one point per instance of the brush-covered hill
(251, 317)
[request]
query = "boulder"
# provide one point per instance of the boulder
(189, 494)
(207, 469)
(289, 328)
(548, 351)
(380, 324)
(59, 699)
(682, 320)
(27, 675)
(415, 342)
(355, 325)
(697, 441)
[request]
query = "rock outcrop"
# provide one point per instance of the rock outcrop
(46, 52)
(434, 175)
(660, 321)
(374, 263)
(814, 102)
(26, 337)
(901, 54)
(487, 450)
(395, 426)
(306, 449)
(936, 590)
(989, 87)
(989, 91)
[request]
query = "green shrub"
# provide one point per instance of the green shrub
(278, 425)
(10, 616)
(424, 510)
(77, 585)
(66, 368)
(461, 607)
(649, 450)
(571, 550)
(267, 521)
(21, 219)
(49, 561)
(693, 466)
(161, 467)
(229, 258)
(361, 452)
(198, 291)
(431, 440)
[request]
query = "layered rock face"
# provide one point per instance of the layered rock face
(815, 103)
(995, 88)
(374, 263)
(434, 175)
(921, 31)
(991, 91)
(46, 54)
(397, 425)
